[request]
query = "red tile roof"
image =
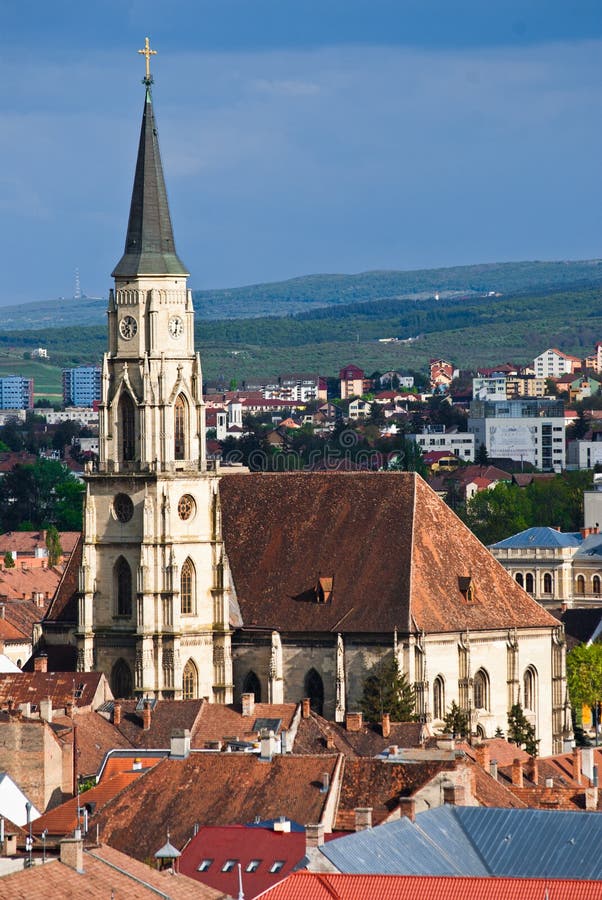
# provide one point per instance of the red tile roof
(27, 542)
(213, 789)
(106, 873)
(318, 886)
(412, 580)
(246, 845)
(79, 688)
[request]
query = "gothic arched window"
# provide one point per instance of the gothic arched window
(252, 685)
(529, 583)
(127, 422)
(180, 429)
(314, 689)
(519, 579)
(187, 588)
(190, 681)
(596, 584)
(438, 697)
(580, 584)
(121, 680)
(481, 690)
(123, 587)
(530, 689)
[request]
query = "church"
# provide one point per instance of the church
(195, 581)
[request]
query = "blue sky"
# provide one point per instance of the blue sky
(300, 137)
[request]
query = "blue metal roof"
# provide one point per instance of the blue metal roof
(540, 536)
(591, 546)
(477, 841)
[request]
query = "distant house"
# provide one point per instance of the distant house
(553, 363)
(352, 382)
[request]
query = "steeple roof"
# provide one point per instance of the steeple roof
(149, 243)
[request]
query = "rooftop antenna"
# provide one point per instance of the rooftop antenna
(78, 291)
(241, 895)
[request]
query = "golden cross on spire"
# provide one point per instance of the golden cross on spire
(147, 53)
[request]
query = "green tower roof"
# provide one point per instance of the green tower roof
(149, 243)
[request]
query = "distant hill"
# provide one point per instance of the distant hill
(311, 292)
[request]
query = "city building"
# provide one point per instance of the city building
(526, 430)
(16, 392)
(436, 437)
(554, 363)
(81, 386)
(352, 381)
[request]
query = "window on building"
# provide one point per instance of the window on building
(529, 583)
(276, 866)
(529, 689)
(180, 417)
(547, 583)
(123, 585)
(519, 579)
(127, 421)
(481, 690)
(253, 865)
(438, 697)
(252, 685)
(596, 584)
(187, 588)
(190, 681)
(204, 865)
(314, 689)
(229, 865)
(121, 680)
(580, 584)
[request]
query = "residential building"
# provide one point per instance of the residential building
(592, 504)
(359, 409)
(492, 387)
(352, 382)
(16, 392)
(81, 386)
(39, 353)
(527, 430)
(554, 363)
(585, 453)
(442, 373)
(436, 437)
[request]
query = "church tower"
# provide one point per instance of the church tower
(153, 613)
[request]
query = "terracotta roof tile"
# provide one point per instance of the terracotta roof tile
(314, 732)
(166, 715)
(32, 687)
(217, 721)
(64, 604)
(412, 580)
(106, 873)
(321, 886)
(213, 789)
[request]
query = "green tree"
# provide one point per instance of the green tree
(520, 731)
(43, 493)
(53, 545)
(481, 456)
(456, 721)
(387, 690)
(584, 676)
(9, 562)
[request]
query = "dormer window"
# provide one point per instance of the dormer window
(466, 586)
(324, 589)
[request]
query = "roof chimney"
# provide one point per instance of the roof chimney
(517, 773)
(577, 765)
(407, 808)
(453, 794)
(306, 707)
(248, 704)
(72, 853)
(482, 756)
(314, 836)
(532, 770)
(354, 721)
(267, 745)
(69, 709)
(117, 713)
(180, 743)
(386, 725)
(40, 663)
(46, 710)
(363, 818)
(493, 768)
(146, 715)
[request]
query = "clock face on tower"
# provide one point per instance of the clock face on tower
(128, 327)
(176, 327)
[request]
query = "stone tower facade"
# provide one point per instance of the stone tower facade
(153, 612)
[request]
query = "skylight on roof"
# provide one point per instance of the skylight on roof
(204, 865)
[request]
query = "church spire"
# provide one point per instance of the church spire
(149, 243)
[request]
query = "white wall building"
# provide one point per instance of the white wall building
(526, 430)
(434, 437)
(554, 363)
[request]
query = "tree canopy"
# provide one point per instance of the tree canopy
(41, 494)
(520, 731)
(387, 690)
(584, 675)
